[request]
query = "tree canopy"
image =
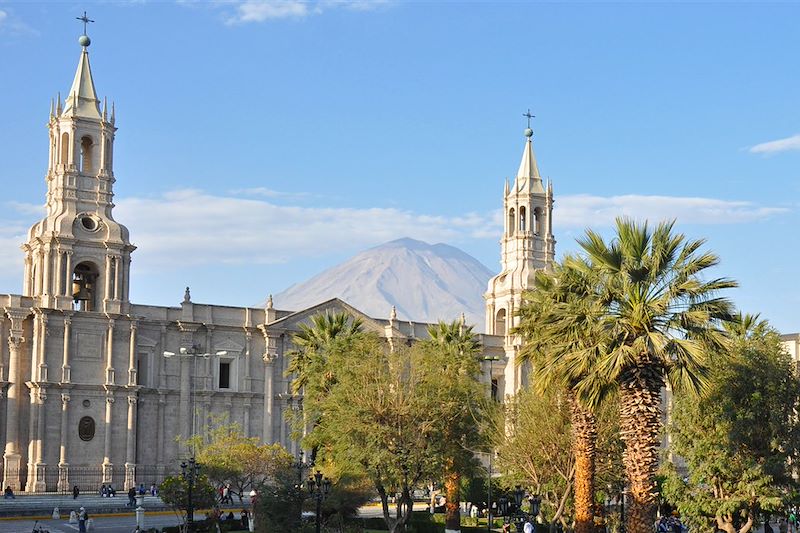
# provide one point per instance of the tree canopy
(740, 439)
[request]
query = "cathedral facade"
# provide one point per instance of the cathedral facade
(96, 389)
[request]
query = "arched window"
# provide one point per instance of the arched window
(84, 286)
(107, 164)
(86, 154)
(537, 221)
(500, 322)
(64, 148)
(522, 218)
(511, 222)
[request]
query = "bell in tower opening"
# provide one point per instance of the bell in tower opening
(83, 286)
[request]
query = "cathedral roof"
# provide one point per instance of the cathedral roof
(82, 99)
(528, 178)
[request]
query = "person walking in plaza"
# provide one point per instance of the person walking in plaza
(83, 517)
(75, 492)
(132, 496)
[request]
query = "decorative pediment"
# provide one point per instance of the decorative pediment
(227, 345)
(292, 322)
(145, 342)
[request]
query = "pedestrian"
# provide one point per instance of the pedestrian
(153, 489)
(528, 527)
(142, 491)
(243, 517)
(8, 494)
(103, 490)
(75, 492)
(83, 517)
(783, 527)
(132, 496)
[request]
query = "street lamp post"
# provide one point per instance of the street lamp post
(189, 473)
(318, 488)
(491, 359)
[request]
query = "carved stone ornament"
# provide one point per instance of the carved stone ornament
(86, 428)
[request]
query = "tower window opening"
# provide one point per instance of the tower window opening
(537, 221)
(84, 282)
(64, 148)
(500, 322)
(512, 222)
(86, 154)
(522, 218)
(495, 389)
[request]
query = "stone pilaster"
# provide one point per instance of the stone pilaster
(63, 465)
(132, 378)
(130, 445)
(12, 458)
(107, 464)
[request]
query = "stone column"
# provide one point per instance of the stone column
(130, 445)
(65, 368)
(108, 295)
(68, 275)
(107, 464)
(132, 378)
(11, 456)
(110, 353)
(246, 380)
(117, 278)
(59, 273)
(270, 354)
(269, 398)
(162, 405)
(46, 281)
(183, 403)
(63, 465)
(39, 482)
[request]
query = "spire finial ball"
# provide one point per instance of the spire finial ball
(84, 41)
(528, 132)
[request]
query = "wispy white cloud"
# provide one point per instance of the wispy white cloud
(587, 210)
(247, 11)
(204, 228)
(11, 24)
(265, 192)
(781, 145)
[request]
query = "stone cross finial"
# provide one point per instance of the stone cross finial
(187, 297)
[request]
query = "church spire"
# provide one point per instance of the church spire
(528, 178)
(82, 100)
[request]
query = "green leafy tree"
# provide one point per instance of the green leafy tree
(662, 324)
(381, 418)
(174, 491)
(454, 369)
(227, 456)
(534, 448)
(740, 440)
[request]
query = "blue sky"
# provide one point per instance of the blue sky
(261, 142)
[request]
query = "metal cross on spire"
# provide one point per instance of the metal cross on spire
(528, 114)
(86, 20)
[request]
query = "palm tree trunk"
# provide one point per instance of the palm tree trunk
(640, 427)
(452, 488)
(584, 442)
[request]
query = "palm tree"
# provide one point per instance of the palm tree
(461, 347)
(313, 341)
(662, 323)
(559, 322)
(308, 361)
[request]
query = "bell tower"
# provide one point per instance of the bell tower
(78, 256)
(527, 246)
